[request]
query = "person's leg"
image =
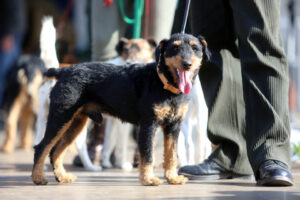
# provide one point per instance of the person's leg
(7, 60)
(161, 18)
(222, 84)
(265, 80)
(250, 105)
(107, 27)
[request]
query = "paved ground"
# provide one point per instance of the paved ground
(15, 183)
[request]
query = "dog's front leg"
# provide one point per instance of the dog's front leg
(146, 163)
(171, 133)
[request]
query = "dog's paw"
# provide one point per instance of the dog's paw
(153, 181)
(39, 180)
(106, 164)
(66, 178)
(127, 166)
(177, 180)
(25, 148)
(93, 168)
(7, 149)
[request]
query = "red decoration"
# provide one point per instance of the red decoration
(107, 3)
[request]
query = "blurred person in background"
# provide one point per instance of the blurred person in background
(12, 30)
(107, 25)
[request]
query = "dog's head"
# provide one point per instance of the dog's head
(179, 59)
(136, 50)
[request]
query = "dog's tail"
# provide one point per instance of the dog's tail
(52, 73)
(47, 43)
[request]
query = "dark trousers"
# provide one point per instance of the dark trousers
(246, 82)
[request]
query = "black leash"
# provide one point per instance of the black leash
(186, 14)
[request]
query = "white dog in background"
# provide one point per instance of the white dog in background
(193, 144)
(48, 55)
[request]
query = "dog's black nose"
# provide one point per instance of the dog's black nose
(186, 64)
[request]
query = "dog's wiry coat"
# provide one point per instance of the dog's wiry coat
(132, 93)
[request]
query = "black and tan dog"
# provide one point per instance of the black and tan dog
(149, 95)
(20, 103)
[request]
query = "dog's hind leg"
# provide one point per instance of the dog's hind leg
(123, 132)
(11, 123)
(56, 127)
(83, 151)
(110, 141)
(58, 151)
(187, 129)
(146, 162)
(63, 110)
(93, 112)
(181, 150)
(26, 122)
(200, 141)
(170, 155)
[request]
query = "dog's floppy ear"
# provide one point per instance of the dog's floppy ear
(120, 45)
(205, 51)
(152, 42)
(159, 50)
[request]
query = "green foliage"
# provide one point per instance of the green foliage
(296, 148)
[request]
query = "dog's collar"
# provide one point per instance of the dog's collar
(167, 85)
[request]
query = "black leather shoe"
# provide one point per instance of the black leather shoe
(274, 173)
(209, 170)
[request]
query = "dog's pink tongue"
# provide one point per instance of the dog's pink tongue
(185, 83)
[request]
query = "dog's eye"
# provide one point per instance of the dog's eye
(195, 48)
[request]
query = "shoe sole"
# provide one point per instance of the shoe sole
(218, 176)
(207, 177)
(276, 181)
(243, 177)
